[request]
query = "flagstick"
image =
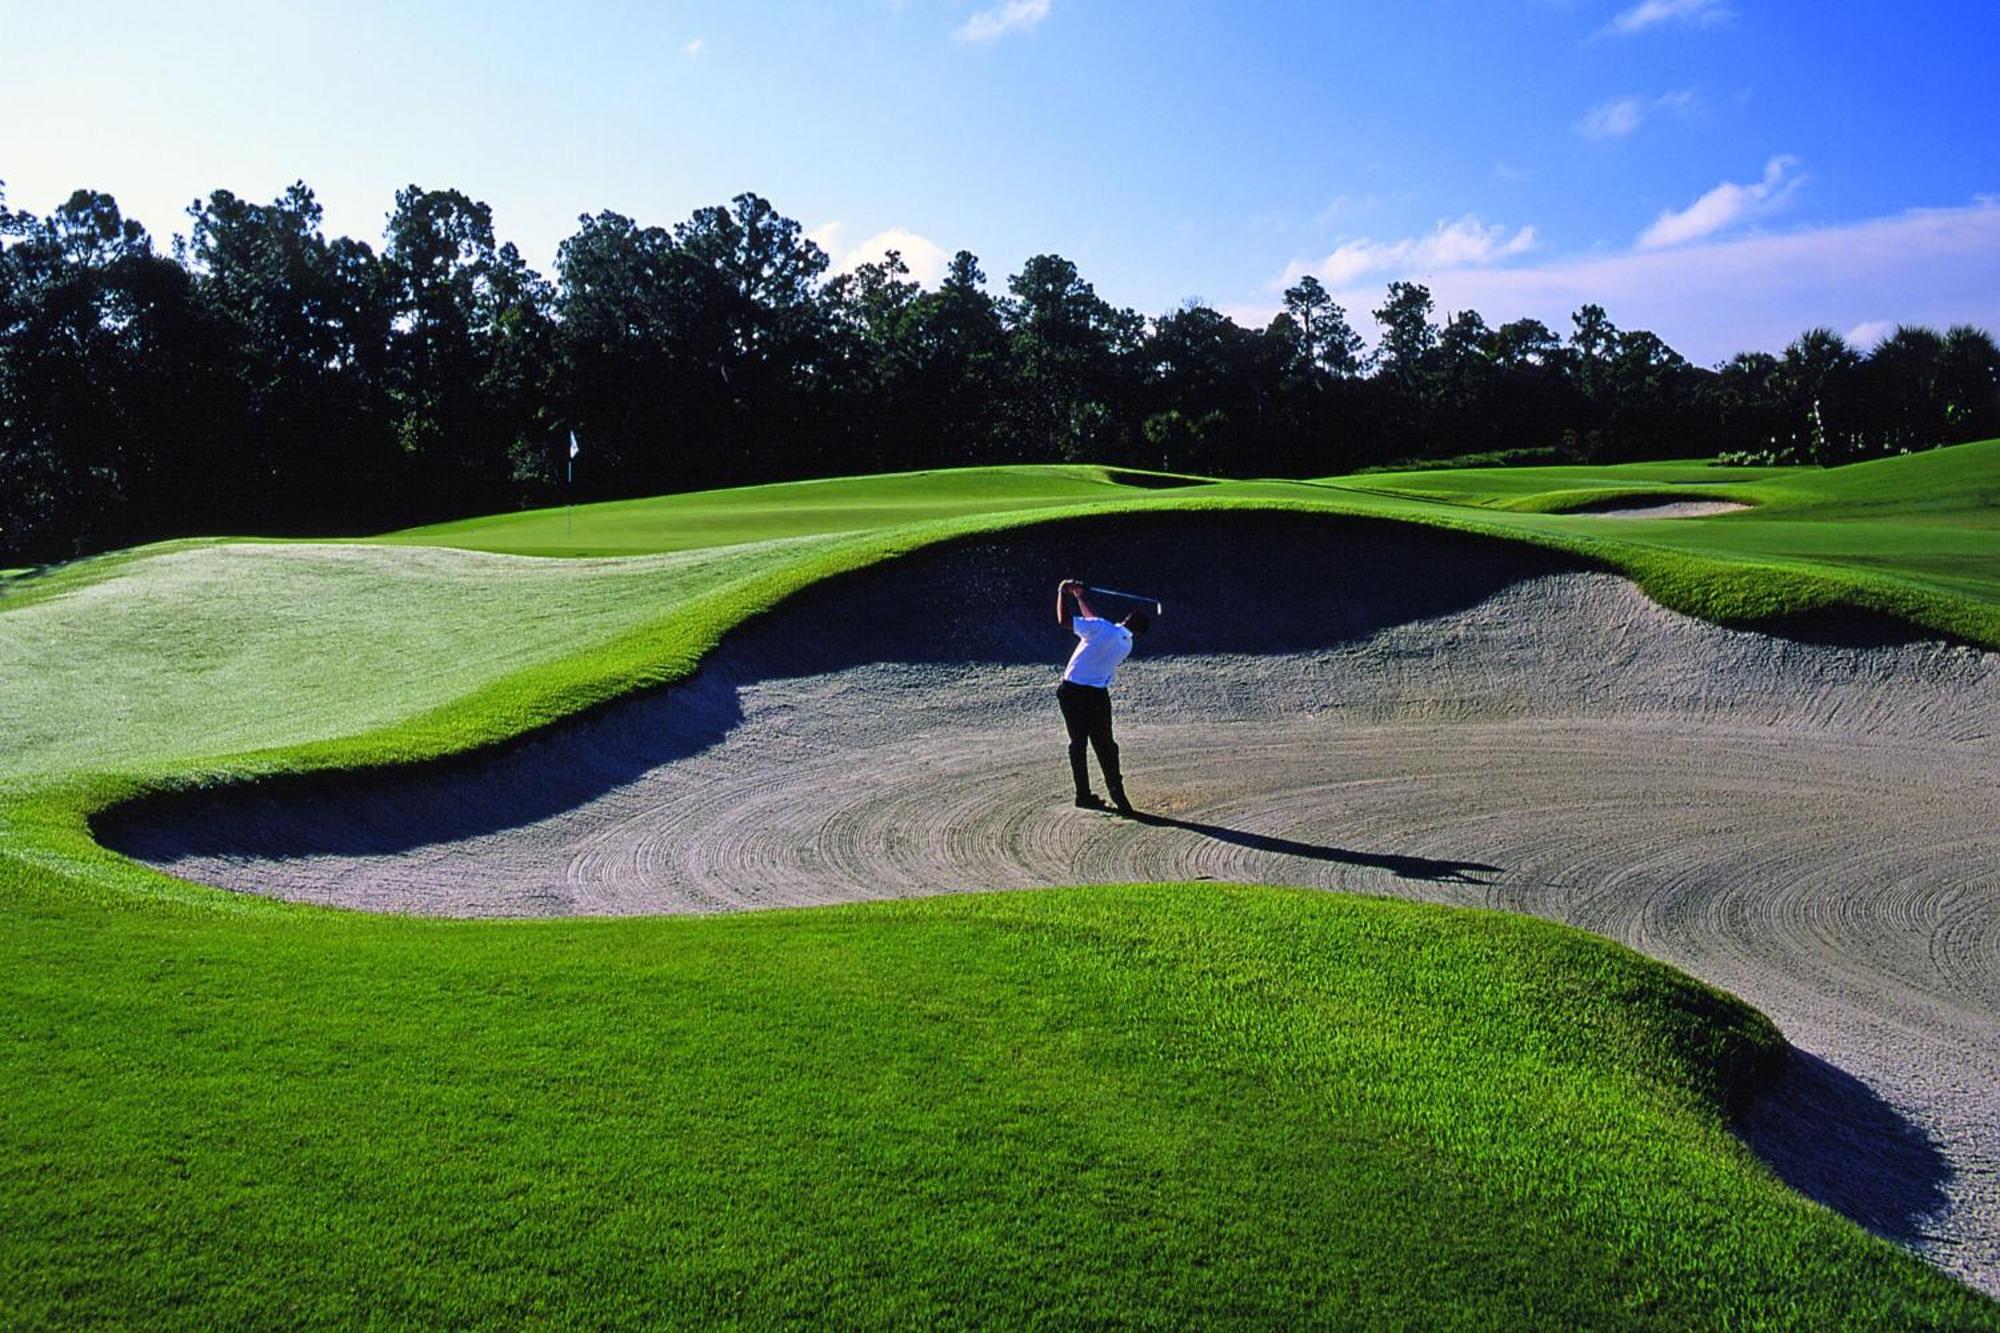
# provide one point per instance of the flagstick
(569, 488)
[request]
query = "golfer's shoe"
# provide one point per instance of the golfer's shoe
(1090, 800)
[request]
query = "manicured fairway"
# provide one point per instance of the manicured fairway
(1530, 488)
(787, 509)
(1176, 1104)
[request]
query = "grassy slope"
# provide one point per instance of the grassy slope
(202, 652)
(165, 1010)
(785, 509)
(1514, 487)
(1192, 1102)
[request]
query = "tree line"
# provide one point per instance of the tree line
(257, 375)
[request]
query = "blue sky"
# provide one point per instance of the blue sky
(1724, 172)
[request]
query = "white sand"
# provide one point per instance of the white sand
(1669, 509)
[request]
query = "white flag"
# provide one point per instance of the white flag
(573, 450)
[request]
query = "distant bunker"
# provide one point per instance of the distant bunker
(1664, 507)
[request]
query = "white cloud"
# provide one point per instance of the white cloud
(827, 235)
(1611, 120)
(1712, 299)
(1458, 244)
(1619, 117)
(926, 259)
(1724, 206)
(695, 47)
(1681, 102)
(1013, 16)
(1250, 314)
(1653, 13)
(1869, 332)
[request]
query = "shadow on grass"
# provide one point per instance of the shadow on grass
(1830, 1137)
(456, 799)
(1402, 867)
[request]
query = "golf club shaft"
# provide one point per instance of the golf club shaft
(1158, 607)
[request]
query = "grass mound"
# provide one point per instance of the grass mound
(1177, 1104)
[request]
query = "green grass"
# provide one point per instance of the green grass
(1916, 538)
(1198, 1102)
(1176, 1104)
(1514, 487)
(196, 653)
(786, 509)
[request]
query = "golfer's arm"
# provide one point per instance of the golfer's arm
(1084, 606)
(1062, 606)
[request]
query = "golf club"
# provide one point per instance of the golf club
(1158, 608)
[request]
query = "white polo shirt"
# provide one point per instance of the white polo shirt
(1100, 647)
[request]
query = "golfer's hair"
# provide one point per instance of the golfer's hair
(1138, 622)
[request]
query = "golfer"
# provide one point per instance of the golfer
(1085, 692)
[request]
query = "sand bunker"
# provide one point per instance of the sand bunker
(1667, 509)
(1806, 821)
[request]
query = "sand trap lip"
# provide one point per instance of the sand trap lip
(1355, 705)
(1667, 509)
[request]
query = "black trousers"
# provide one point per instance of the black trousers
(1086, 711)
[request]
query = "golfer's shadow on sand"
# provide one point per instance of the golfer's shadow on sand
(1402, 867)
(1833, 1139)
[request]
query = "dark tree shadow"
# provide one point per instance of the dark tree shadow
(1402, 867)
(1830, 1137)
